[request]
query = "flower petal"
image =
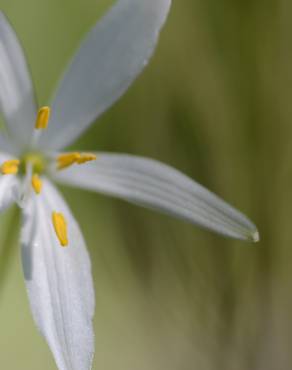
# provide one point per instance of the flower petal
(17, 102)
(8, 146)
(107, 62)
(9, 186)
(8, 191)
(155, 185)
(58, 281)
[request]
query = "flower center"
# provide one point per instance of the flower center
(33, 165)
(36, 161)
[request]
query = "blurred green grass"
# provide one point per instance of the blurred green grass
(215, 103)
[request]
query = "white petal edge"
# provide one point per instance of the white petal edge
(9, 186)
(155, 185)
(58, 281)
(17, 102)
(109, 59)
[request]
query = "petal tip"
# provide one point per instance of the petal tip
(255, 237)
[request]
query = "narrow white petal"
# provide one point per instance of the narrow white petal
(5, 156)
(155, 185)
(7, 146)
(58, 281)
(9, 186)
(109, 59)
(17, 103)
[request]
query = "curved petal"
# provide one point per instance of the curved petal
(17, 101)
(8, 191)
(58, 281)
(8, 146)
(158, 186)
(107, 62)
(9, 186)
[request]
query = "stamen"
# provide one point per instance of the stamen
(36, 183)
(60, 226)
(10, 167)
(66, 160)
(86, 157)
(42, 118)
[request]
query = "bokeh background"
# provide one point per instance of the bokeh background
(215, 102)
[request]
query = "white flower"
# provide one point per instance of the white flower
(55, 261)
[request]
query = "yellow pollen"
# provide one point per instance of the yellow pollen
(42, 118)
(66, 160)
(60, 226)
(36, 183)
(10, 167)
(86, 157)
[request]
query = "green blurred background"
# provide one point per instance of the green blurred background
(215, 102)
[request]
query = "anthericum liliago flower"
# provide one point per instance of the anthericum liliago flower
(55, 261)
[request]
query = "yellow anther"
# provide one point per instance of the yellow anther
(36, 183)
(60, 226)
(10, 167)
(86, 157)
(42, 118)
(66, 160)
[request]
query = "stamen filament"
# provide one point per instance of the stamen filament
(42, 118)
(36, 183)
(10, 167)
(60, 226)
